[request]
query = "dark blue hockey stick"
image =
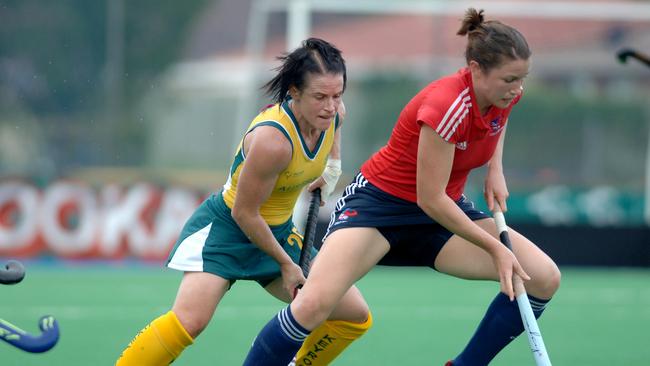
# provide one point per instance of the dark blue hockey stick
(12, 273)
(29, 342)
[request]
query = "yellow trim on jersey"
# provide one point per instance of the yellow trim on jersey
(305, 165)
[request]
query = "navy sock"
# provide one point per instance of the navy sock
(278, 341)
(500, 325)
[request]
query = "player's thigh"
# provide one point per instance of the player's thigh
(463, 259)
(346, 256)
(197, 298)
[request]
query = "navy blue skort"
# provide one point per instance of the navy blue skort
(414, 237)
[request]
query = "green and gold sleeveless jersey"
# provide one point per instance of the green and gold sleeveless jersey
(304, 168)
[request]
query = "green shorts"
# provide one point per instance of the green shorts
(212, 242)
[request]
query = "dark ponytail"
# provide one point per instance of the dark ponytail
(489, 43)
(471, 22)
(314, 56)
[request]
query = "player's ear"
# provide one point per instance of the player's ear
(294, 93)
(475, 67)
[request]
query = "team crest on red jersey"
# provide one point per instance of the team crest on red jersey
(347, 214)
(495, 126)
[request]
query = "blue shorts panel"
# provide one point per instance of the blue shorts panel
(414, 237)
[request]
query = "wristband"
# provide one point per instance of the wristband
(331, 176)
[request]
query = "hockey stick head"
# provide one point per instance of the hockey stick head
(28, 342)
(11, 273)
(624, 53)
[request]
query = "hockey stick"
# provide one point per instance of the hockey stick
(28, 342)
(626, 53)
(527, 317)
(12, 273)
(310, 232)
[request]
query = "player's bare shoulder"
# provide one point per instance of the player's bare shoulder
(341, 111)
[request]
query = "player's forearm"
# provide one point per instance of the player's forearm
(496, 162)
(444, 211)
(258, 232)
(332, 171)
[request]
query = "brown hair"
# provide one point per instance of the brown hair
(490, 43)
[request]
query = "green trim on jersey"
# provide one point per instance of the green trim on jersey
(239, 158)
(275, 124)
(310, 153)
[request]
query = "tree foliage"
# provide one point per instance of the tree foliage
(53, 55)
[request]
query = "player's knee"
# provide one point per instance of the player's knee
(352, 308)
(549, 281)
(193, 323)
(555, 276)
(315, 309)
(367, 323)
(357, 312)
(361, 315)
(350, 329)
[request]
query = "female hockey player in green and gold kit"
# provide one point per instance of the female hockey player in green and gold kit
(245, 232)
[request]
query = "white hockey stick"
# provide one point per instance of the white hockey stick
(527, 317)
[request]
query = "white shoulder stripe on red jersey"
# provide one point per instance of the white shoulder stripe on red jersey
(456, 119)
(457, 103)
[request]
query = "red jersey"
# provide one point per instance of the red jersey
(449, 106)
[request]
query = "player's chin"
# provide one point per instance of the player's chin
(323, 123)
(505, 102)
